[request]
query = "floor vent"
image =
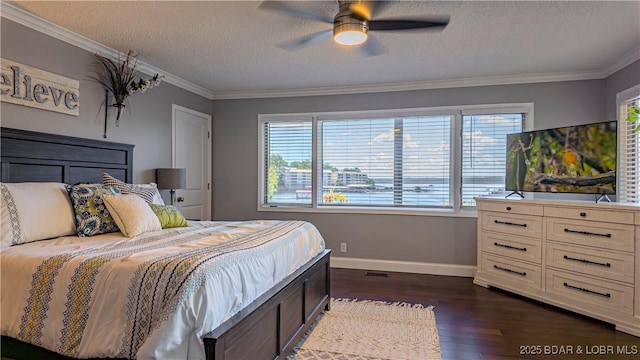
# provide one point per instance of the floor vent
(378, 274)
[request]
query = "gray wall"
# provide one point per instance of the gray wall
(617, 82)
(146, 123)
(449, 240)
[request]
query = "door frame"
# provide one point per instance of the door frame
(208, 157)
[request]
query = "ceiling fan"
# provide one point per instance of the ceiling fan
(352, 24)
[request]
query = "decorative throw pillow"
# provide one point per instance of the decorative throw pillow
(149, 192)
(169, 216)
(92, 216)
(34, 211)
(132, 214)
(157, 198)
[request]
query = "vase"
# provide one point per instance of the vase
(118, 106)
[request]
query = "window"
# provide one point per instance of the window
(484, 144)
(401, 160)
(628, 188)
(287, 172)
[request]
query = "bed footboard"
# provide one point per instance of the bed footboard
(271, 326)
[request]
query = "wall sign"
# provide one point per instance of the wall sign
(28, 86)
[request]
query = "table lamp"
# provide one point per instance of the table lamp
(172, 179)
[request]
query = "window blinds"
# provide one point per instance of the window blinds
(628, 187)
(404, 158)
(397, 161)
(484, 145)
(287, 162)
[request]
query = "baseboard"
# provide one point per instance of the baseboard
(403, 266)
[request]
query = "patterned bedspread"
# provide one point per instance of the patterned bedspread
(147, 297)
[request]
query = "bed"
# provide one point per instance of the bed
(260, 315)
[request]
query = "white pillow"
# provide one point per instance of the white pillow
(34, 211)
(132, 214)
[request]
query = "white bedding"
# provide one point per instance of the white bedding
(149, 297)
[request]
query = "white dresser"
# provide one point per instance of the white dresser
(580, 256)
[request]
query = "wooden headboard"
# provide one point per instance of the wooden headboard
(29, 156)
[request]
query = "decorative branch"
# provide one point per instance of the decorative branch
(120, 80)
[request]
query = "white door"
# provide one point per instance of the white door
(192, 151)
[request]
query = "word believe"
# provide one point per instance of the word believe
(27, 86)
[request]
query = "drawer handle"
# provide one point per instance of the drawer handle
(587, 261)
(509, 223)
(607, 295)
(510, 271)
(509, 247)
(508, 208)
(583, 214)
(586, 233)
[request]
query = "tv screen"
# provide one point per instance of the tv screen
(573, 159)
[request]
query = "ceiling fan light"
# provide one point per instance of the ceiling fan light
(350, 38)
(351, 32)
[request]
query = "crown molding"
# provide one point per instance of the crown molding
(411, 86)
(27, 19)
(626, 60)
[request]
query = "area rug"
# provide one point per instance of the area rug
(372, 330)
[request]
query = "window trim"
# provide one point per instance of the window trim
(455, 180)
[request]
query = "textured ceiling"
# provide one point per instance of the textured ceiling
(230, 46)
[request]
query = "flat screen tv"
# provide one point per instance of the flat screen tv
(572, 159)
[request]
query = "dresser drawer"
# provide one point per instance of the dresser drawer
(513, 224)
(606, 264)
(589, 293)
(591, 233)
(516, 247)
(620, 217)
(511, 208)
(518, 273)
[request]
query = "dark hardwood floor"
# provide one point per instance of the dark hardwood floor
(478, 323)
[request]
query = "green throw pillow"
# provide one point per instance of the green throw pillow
(169, 216)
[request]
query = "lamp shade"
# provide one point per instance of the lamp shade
(171, 178)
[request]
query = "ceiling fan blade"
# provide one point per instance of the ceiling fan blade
(306, 40)
(371, 47)
(391, 25)
(283, 7)
(368, 9)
